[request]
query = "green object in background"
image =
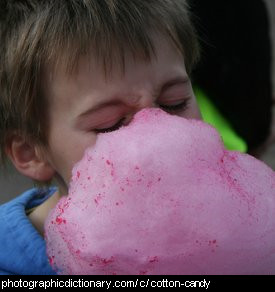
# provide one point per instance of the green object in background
(211, 115)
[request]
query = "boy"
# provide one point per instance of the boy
(71, 69)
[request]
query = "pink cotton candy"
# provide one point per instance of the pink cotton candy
(163, 196)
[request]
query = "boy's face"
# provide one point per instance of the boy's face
(87, 102)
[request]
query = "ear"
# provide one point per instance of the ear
(28, 159)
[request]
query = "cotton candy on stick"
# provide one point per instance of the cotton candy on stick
(163, 196)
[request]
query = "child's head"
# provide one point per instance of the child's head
(73, 68)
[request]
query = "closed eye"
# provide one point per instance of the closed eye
(113, 128)
(177, 107)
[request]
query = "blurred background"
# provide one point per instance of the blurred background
(255, 121)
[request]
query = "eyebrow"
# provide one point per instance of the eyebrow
(100, 105)
(174, 81)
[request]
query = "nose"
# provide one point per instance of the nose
(139, 104)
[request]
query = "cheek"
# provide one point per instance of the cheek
(74, 155)
(193, 111)
(67, 151)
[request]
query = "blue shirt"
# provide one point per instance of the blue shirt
(22, 248)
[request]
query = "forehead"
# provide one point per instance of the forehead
(69, 64)
(91, 74)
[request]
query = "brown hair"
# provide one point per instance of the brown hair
(34, 33)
